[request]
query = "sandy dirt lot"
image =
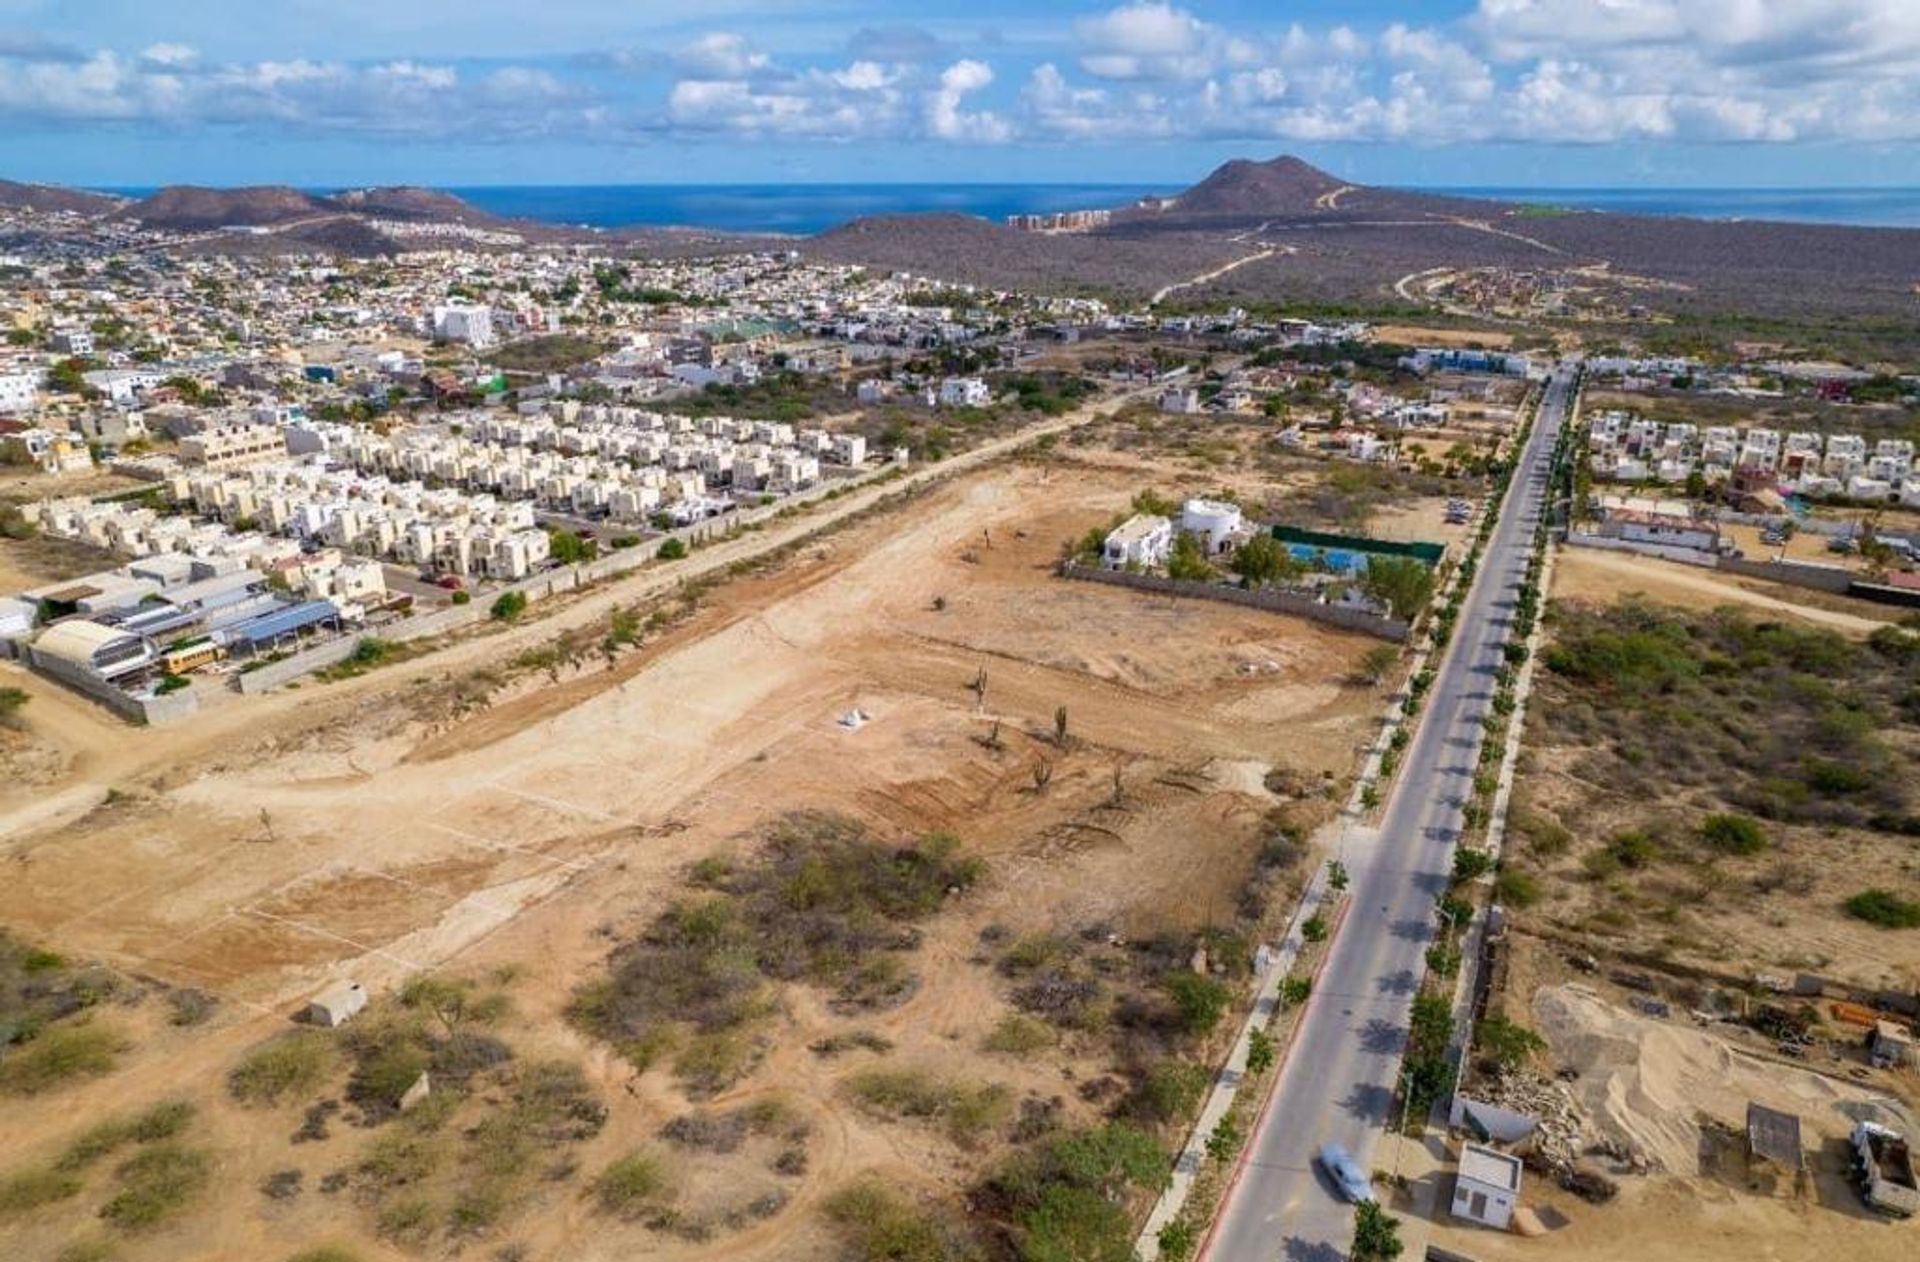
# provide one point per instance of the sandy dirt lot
(1595, 575)
(1677, 1093)
(338, 832)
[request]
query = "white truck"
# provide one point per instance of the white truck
(1883, 1168)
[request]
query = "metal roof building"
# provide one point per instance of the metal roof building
(269, 629)
(93, 648)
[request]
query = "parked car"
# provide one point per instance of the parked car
(1346, 1174)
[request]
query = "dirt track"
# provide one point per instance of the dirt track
(326, 832)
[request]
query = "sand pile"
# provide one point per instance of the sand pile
(1643, 1082)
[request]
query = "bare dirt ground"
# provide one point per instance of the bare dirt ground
(353, 830)
(29, 563)
(1677, 1093)
(1594, 575)
(1424, 335)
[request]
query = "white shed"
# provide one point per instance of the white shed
(1488, 1186)
(337, 1004)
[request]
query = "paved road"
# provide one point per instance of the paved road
(1338, 1083)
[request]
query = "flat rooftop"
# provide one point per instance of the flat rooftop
(1488, 1167)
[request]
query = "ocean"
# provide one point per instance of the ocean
(787, 208)
(808, 208)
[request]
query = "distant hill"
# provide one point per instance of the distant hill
(49, 197)
(411, 202)
(1285, 185)
(976, 251)
(189, 208)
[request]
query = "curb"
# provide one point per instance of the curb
(1280, 1062)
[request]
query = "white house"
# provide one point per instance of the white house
(1487, 1188)
(463, 322)
(1181, 401)
(1213, 522)
(18, 390)
(1142, 541)
(964, 392)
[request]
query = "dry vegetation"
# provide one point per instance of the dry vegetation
(752, 975)
(1723, 789)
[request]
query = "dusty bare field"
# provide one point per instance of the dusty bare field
(361, 832)
(1594, 575)
(1677, 1092)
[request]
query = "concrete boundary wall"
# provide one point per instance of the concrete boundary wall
(1826, 578)
(1272, 602)
(1663, 552)
(166, 708)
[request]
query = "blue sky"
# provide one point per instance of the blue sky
(1513, 92)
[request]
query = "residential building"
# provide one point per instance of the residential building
(1180, 401)
(1216, 523)
(964, 392)
(234, 446)
(1143, 541)
(18, 391)
(468, 323)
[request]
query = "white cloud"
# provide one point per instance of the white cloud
(947, 121)
(1152, 40)
(1522, 71)
(720, 55)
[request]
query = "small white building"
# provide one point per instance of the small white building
(337, 1004)
(18, 390)
(1180, 401)
(464, 322)
(1215, 523)
(1142, 541)
(964, 392)
(1487, 1188)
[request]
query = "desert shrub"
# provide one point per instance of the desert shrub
(724, 1132)
(856, 1040)
(91, 1250)
(289, 1066)
(633, 1186)
(1733, 834)
(155, 1184)
(189, 1006)
(1885, 909)
(1505, 1043)
(1065, 1200)
(672, 550)
(24, 1190)
(325, 1253)
(1633, 849)
(162, 1121)
(1516, 889)
(879, 1224)
(398, 1158)
(406, 1221)
(824, 904)
(1641, 685)
(60, 1054)
(1198, 1002)
(381, 1078)
(1169, 1091)
(963, 1110)
(1018, 1035)
(1033, 952)
(508, 606)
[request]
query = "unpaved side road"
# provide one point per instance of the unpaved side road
(106, 751)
